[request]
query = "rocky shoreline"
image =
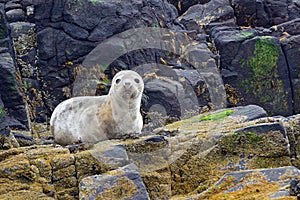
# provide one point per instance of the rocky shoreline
(234, 61)
(227, 153)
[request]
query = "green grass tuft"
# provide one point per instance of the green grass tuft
(216, 116)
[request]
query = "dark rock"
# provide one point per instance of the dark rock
(295, 187)
(114, 156)
(264, 128)
(11, 5)
(24, 140)
(42, 11)
(19, 28)
(256, 67)
(124, 183)
(214, 11)
(56, 43)
(15, 15)
(7, 139)
(75, 31)
(245, 12)
(180, 90)
(183, 6)
(251, 112)
(291, 48)
(164, 97)
(65, 30)
(11, 96)
(291, 27)
(264, 13)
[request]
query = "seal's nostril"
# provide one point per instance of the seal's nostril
(127, 84)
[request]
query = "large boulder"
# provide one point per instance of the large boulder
(255, 66)
(291, 48)
(12, 101)
(215, 12)
(123, 183)
(265, 13)
(256, 184)
(11, 96)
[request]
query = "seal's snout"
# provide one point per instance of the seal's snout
(127, 84)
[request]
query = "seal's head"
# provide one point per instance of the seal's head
(127, 85)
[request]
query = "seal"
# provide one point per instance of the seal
(92, 119)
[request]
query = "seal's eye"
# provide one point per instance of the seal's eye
(137, 80)
(118, 81)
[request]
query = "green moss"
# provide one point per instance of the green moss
(217, 116)
(241, 142)
(265, 83)
(96, 1)
(244, 35)
(250, 137)
(1, 111)
(265, 58)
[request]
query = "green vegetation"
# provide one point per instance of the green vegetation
(246, 34)
(1, 111)
(250, 137)
(264, 82)
(96, 1)
(216, 116)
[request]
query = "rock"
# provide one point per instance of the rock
(231, 150)
(295, 187)
(67, 47)
(264, 13)
(250, 112)
(7, 139)
(264, 128)
(187, 158)
(11, 96)
(15, 15)
(23, 140)
(291, 50)
(123, 183)
(68, 31)
(246, 70)
(192, 85)
(292, 126)
(261, 183)
(210, 14)
(111, 154)
(26, 195)
(183, 6)
(76, 32)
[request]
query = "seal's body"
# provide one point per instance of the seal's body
(96, 118)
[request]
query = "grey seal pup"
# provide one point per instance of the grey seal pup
(97, 118)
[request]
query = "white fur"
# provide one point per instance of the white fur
(98, 118)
